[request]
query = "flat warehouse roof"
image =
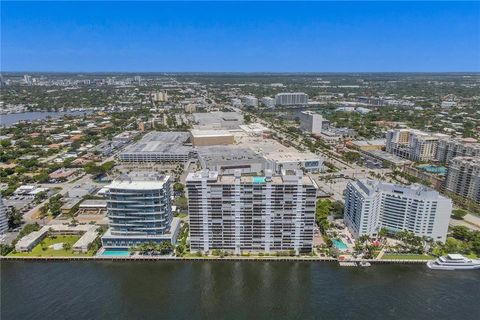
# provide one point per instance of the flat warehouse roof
(161, 142)
(213, 155)
(225, 120)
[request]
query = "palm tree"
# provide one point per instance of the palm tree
(382, 232)
(133, 249)
(364, 238)
(358, 247)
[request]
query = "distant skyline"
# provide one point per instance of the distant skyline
(240, 37)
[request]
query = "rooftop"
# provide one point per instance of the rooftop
(211, 155)
(469, 160)
(273, 150)
(139, 181)
(285, 177)
(289, 93)
(255, 128)
(418, 191)
(161, 142)
(196, 133)
(366, 143)
(93, 204)
(218, 119)
(382, 155)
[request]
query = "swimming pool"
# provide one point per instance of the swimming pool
(433, 169)
(121, 253)
(339, 245)
(258, 179)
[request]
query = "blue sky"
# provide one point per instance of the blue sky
(243, 37)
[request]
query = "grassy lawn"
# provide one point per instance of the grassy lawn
(407, 257)
(50, 252)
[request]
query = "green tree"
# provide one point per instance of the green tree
(364, 238)
(178, 187)
(382, 233)
(459, 214)
(42, 177)
(40, 196)
(352, 156)
(14, 219)
(461, 233)
(181, 203)
(5, 143)
(337, 209)
(358, 247)
(5, 249)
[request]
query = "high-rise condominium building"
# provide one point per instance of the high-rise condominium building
(139, 210)
(463, 177)
(250, 101)
(268, 102)
(27, 79)
(313, 122)
(251, 213)
(160, 96)
(372, 205)
(450, 148)
(3, 217)
(291, 99)
(412, 144)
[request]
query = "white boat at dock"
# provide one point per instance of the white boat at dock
(364, 264)
(454, 262)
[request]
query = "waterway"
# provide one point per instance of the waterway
(11, 118)
(234, 290)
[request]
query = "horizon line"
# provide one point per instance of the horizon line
(237, 72)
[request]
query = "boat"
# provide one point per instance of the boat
(454, 261)
(364, 264)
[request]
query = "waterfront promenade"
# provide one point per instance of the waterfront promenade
(231, 258)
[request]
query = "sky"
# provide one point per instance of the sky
(240, 37)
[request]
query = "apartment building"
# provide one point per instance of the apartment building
(139, 210)
(291, 99)
(250, 101)
(372, 205)
(413, 144)
(423, 147)
(463, 177)
(313, 122)
(251, 213)
(268, 102)
(3, 217)
(451, 148)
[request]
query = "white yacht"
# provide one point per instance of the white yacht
(454, 262)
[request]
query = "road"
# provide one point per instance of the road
(470, 221)
(66, 187)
